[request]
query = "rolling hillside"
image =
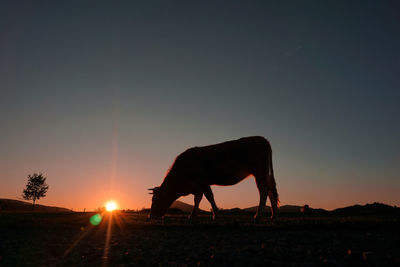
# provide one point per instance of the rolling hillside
(374, 208)
(18, 205)
(182, 206)
(284, 208)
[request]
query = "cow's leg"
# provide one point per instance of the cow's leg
(210, 197)
(261, 182)
(197, 199)
(274, 205)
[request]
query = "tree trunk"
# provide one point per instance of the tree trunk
(33, 205)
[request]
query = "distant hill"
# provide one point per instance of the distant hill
(187, 208)
(18, 205)
(176, 208)
(179, 206)
(289, 208)
(374, 208)
(284, 208)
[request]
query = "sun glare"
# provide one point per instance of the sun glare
(111, 205)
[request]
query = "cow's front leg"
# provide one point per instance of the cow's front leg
(210, 197)
(197, 199)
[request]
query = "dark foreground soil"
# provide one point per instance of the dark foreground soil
(123, 239)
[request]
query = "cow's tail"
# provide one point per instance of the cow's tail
(272, 192)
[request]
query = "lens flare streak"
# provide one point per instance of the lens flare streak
(98, 222)
(107, 242)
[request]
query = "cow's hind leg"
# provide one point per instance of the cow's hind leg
(261, 182)
(210, 197)
(274, 205)
(197, 199)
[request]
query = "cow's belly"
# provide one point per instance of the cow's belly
(229, 178)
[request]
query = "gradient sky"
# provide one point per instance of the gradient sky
(101, 96)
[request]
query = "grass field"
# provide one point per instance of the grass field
(126, 239)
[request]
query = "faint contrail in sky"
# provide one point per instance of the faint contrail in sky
(115, 117)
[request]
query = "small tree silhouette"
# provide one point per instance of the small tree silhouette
(35, 188)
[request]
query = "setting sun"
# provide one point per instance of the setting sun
(111, 205)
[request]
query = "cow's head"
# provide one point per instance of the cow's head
(160, 202)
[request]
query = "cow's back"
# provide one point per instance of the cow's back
(225, 163)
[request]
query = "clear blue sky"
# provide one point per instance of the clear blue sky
(101, 96)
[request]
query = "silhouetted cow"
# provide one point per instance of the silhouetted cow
(222, 164)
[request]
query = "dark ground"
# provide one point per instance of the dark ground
(68, 239)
